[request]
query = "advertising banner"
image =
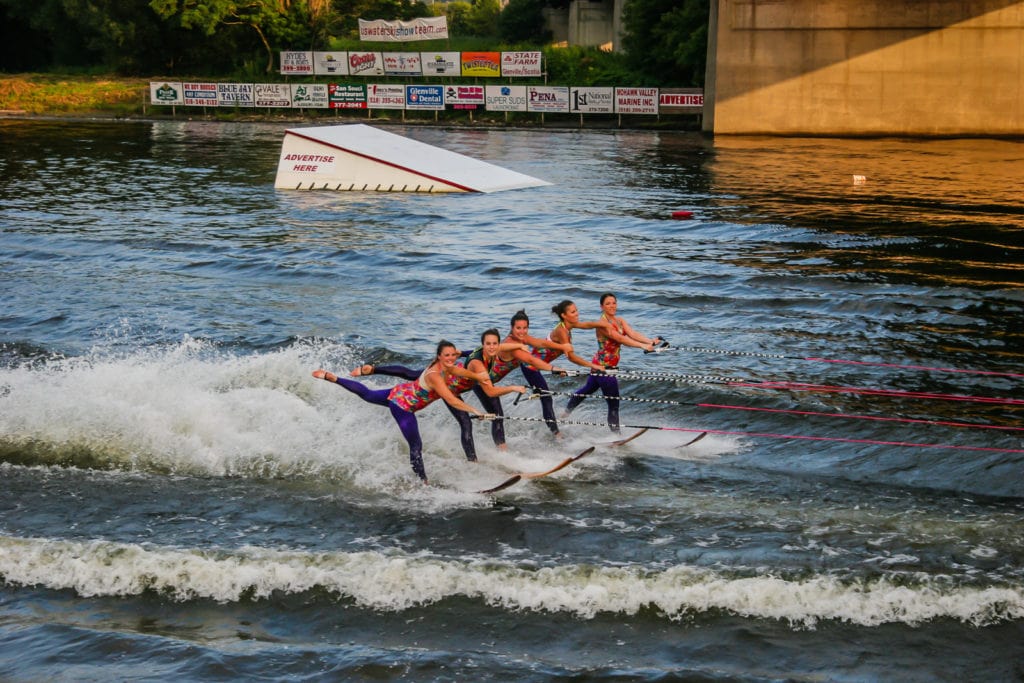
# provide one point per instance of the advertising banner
(309, 95)
(199, 94)
(441, 63)
(464, 96)
(163, 92)
(346, 96)
(425, 28)
(681, 101)
(365, 64)
(296, 63)
(235, 95)
(481, 64)
(516, 64)
(381, 96)
(424, 97)
(592, 100)
(273, 94)
(403, 64)
(547, 98)
(330, 63)
(505, 97)
(636, 100)
(307, 163)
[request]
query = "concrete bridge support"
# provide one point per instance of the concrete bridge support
(866, 67)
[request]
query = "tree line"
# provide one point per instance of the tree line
(664, 41)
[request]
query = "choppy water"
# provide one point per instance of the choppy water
(181, 500)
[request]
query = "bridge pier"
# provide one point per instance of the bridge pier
(865, 68)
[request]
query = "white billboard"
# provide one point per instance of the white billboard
(547, 98)
(505, 97)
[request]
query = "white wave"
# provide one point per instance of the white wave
(195, 409)
(396, 581)
(185, 408)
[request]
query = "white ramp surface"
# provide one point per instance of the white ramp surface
(362, 158)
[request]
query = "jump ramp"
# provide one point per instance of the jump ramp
(362, 158)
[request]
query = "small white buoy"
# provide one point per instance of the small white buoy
(859, 179)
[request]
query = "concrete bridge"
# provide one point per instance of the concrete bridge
(866, 67)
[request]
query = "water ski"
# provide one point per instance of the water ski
(693, 440)
(623, 442)
(564, 463)
(515, 478)
(503, 485)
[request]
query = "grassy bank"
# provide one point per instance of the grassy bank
(56, 94)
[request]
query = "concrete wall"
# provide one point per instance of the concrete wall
(587, 22)
(591, 22)
(557, 21)
(865, 67)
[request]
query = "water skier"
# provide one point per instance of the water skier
(559, 341)
(471, 371)
(404, 400)
(612, 334)
(514, 352)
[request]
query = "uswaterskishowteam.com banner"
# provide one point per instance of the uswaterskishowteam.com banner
(425, 28)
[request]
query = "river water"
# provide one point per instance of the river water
(183, 501)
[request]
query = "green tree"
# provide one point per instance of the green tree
(130, 38)
(122, 36)
(39, 20)
(276, 23)
(483, 18)
(522, 21)
(665, 41)
(458, 17)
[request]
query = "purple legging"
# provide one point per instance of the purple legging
(407, 423)
(547, 404)
(461, 416)
(609, 387)
(492, 404)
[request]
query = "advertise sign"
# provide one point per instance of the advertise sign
(365, 64)
(547, 98)
(592, 100)
(330, 63)
(424, 28)
(199, 94)
(441, 63)
(295, 162)
(481, 64)
(163, 92)
(681, 101)
(309, 95)
(385, 96)
(235, 95)
(402, 64)
(273, 94)
(345, 96)
(424, 97)
(636, 100)
(464, 96)
(296, 63)
(505, 97)
(515, 64)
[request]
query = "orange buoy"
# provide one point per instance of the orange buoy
(682, 214)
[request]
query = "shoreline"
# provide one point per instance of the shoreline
(608, 124)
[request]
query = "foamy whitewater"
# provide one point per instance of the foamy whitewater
(183, 500)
